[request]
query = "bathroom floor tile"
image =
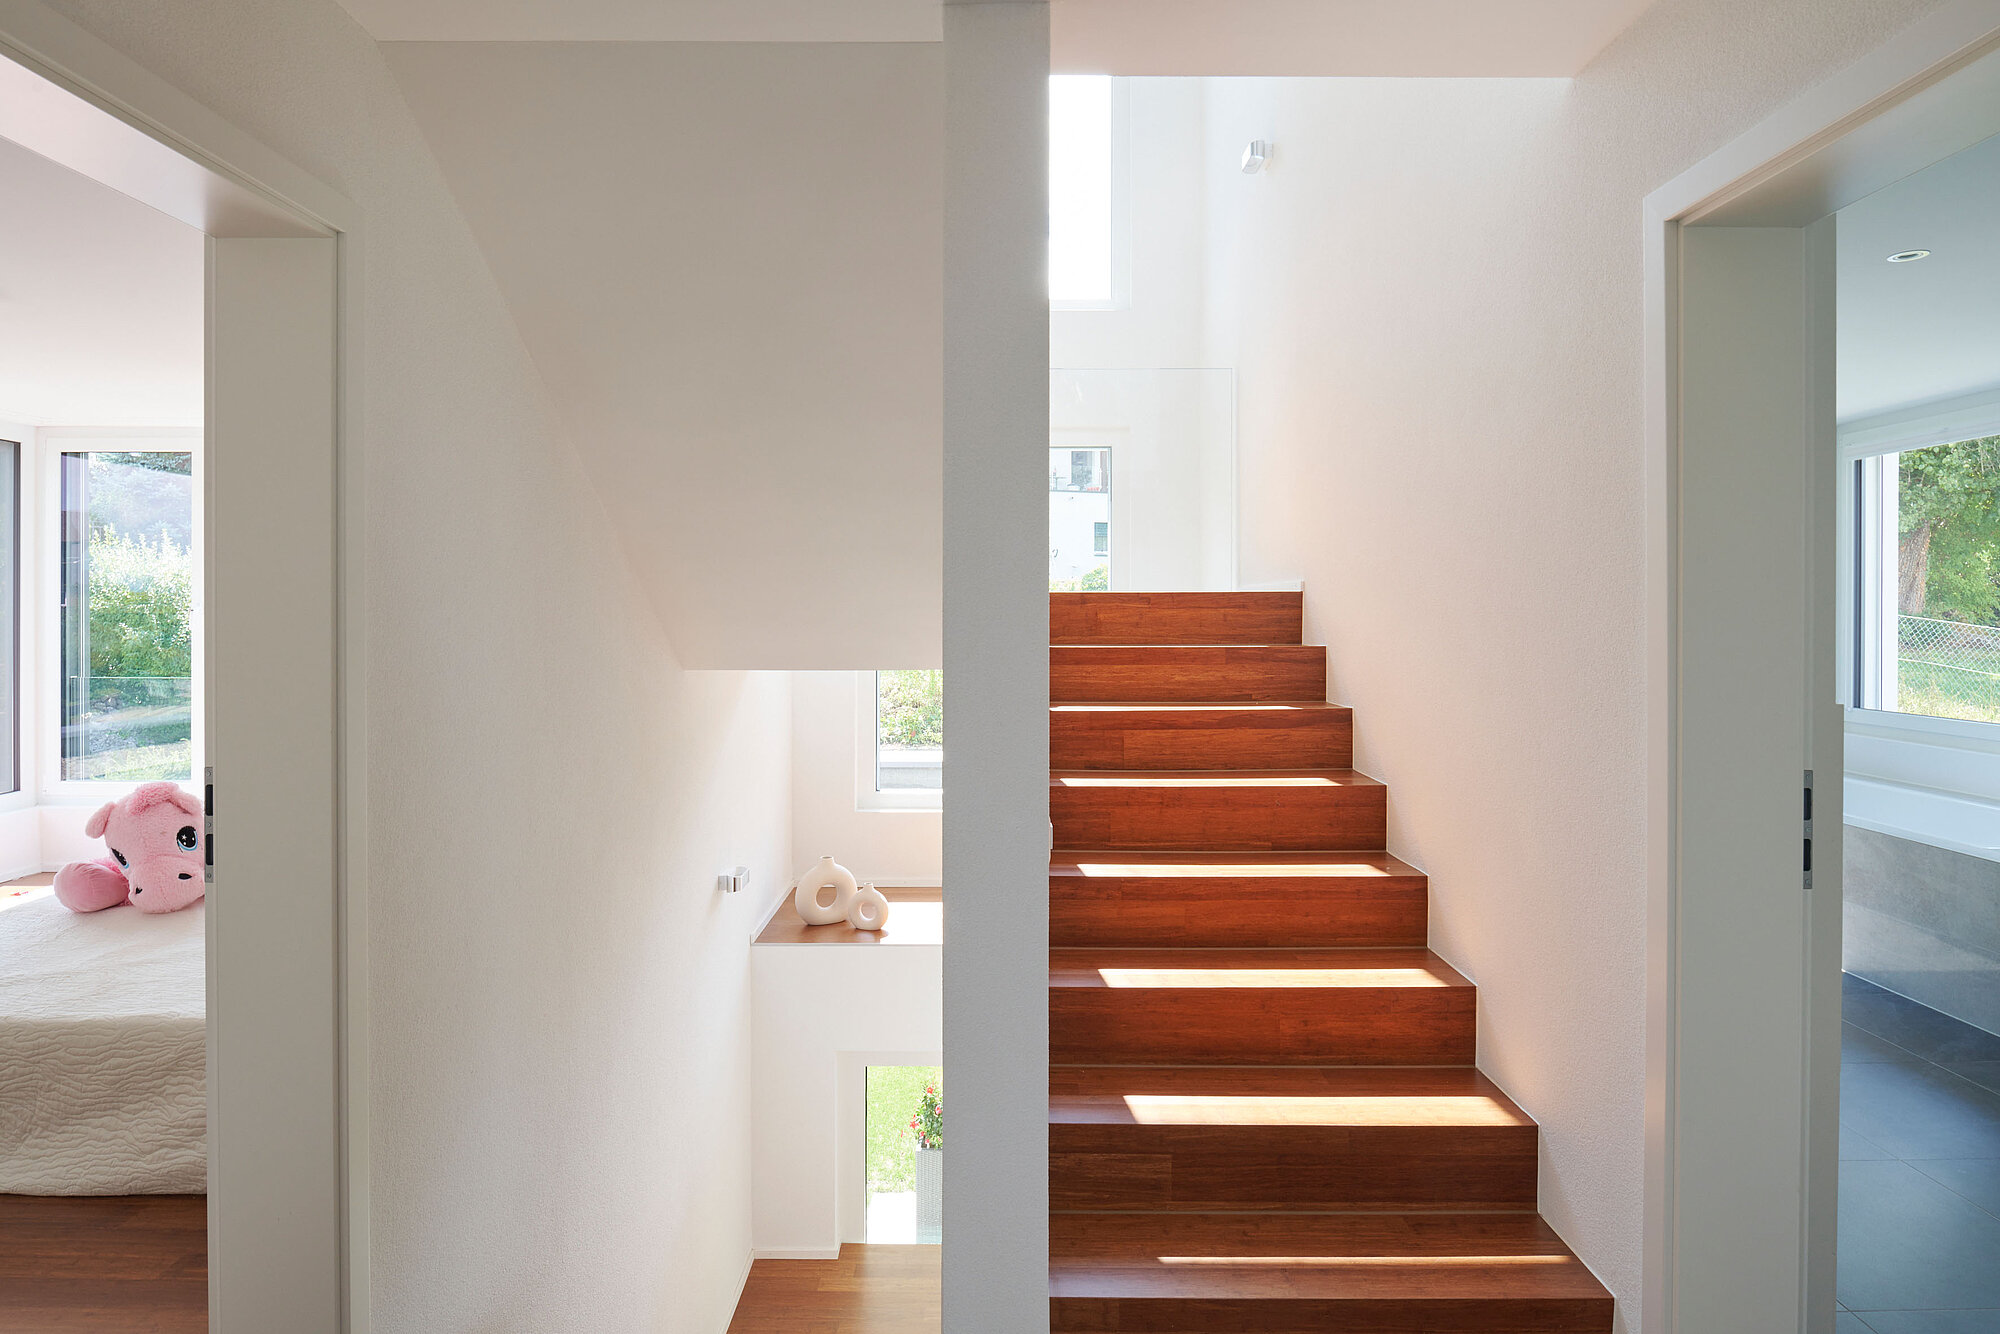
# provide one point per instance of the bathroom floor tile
(1986, 1074)
(1860, 1047)
(1848, 1323)
(1858, 1147)
(1909, 1244)
(1930, 1322)
(1977, 1179)
(1913, 1027)
(1920, 1111)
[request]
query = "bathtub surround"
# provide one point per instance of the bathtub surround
(1921, 921)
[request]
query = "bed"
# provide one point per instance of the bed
(102, 1050)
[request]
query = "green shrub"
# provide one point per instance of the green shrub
(910, 708)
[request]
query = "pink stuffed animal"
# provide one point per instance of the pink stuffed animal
(154, 835)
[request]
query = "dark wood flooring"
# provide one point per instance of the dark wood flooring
(107, 1264)
(868, 1290)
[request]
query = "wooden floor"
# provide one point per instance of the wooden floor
(107, 1264)
(868, 1290)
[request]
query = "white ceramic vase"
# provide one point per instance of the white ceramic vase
(870, 909)
(826, 871)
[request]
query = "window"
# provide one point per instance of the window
(1085, 265)
(907, 713)
(127, 615)
(1927, 591)
(1079, 520)
(10, 616)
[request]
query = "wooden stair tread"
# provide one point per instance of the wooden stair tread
(1250, 969)
(1139, 779)
(1197, 673)
(1292, 1096)
(1127, 899)
(1261, 710)
(1109, 864)
(1264, 1113)
(1305, 1257)
(1107, 617)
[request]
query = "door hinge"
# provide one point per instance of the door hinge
(1809, 827)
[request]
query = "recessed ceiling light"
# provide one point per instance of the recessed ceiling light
(1906, 256)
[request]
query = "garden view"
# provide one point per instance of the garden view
(1948, 581)
(128, 659)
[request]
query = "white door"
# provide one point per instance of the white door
(274, 1172)
(1755, 944)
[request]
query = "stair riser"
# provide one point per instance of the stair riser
(1279, 674)
(1211, 819)
(1254, 739)
(1497, 1315)
(1261, 1026)
(1194, 1168)
(1246, 912)
(1175, 618)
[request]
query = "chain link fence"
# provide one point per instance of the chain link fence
(1948, 669)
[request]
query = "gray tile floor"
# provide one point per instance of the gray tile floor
(1919, 1169)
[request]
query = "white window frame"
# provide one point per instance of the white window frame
(1950, 755)
(867, 797)
(41, 610)
(1114, 441)
(1121, 207)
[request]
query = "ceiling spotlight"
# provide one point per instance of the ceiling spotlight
(1908, 256)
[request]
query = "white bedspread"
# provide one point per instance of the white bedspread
(102, 1086)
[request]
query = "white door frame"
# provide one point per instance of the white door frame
(289, 1248)
(1743, 961)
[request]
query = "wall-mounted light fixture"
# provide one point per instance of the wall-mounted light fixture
(1255, 156)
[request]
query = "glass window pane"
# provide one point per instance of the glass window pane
(1079, 520)
(1947, 595)
(10, 615)
(127, 616)
(909, 731)
(1080, 188)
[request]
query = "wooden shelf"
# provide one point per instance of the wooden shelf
(916, 917)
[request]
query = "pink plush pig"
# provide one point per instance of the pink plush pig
(154, 834)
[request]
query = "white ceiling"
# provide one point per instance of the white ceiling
(649, 20)
(100, 303)
(1304, 37)
(1912, 333)
(727, 263)
(1403, 38)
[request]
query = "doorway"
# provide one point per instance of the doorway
(1747, 734)
(905, 1156)
(280, 721)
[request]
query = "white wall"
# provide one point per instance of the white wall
(891, 847)
(560, 999)
(819, 1007)
(725, 260)
(1432, 300)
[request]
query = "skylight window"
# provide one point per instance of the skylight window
(1083, 269)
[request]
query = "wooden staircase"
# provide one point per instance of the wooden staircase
(1263, 1111)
